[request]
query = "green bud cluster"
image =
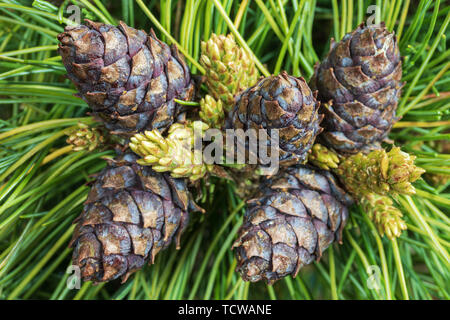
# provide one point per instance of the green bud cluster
(174, 153)
(229, 68)
(380, 172)
(323, 158)
(211, 112)
(85, 138)
(372, 179)
(387, 218)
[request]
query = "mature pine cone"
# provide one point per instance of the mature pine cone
(129, 78)
(360, 79)
(131, 213)
(280, 102)
(297, 215)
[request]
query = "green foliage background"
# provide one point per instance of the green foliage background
(43, 184)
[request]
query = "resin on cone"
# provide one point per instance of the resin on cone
(297, 215)
(131, 213)
(359, 87)
(284, 103)
(129, 78)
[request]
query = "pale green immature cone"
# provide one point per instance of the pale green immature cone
(211, 112)
(323, 158)
(380, 172)
(402, 171)
(85, 138)
(229, 68)
(387, 218)
(174, 154)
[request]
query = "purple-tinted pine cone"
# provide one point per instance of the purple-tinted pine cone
(359, 87)
(131, 213)
(129, 78)
(296, 216)
(280, 102)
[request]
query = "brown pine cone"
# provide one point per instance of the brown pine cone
(280, 102)
(131, 213)
(359, 87)
(297, 215)
(128, 78)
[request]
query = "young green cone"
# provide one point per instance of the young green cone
(387, 218)
(175, 153)
(323, 158)
(211, 112)
(370, 178)
(229, 68)
(85, 138)
(380, 172)
(377, 172)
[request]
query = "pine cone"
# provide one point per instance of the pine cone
(128, 78)
(131, 213)
(360, 81)
(298, 214)
(229, 69)
(280, 102)
(247, 181)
